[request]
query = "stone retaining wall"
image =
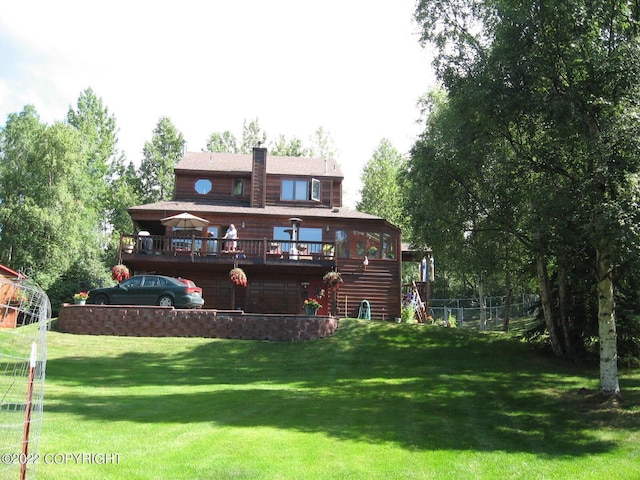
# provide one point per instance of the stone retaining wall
(139, 321)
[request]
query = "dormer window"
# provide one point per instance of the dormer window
(238, 187)
(303, 190)
(203, 186)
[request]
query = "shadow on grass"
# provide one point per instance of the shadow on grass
(420, 387)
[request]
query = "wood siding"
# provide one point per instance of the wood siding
(379, 284)
(221, 190)
(282, 288)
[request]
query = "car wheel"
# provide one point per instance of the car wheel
(165, 301)
(101, 299)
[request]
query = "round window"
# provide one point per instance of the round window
(203, 186)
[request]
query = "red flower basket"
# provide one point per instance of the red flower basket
(332, 280)
(238, 277)
(120, 273)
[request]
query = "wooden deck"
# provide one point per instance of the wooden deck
(160, 248)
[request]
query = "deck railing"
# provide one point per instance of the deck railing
(257, 249)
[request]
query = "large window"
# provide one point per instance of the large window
(358, 244)
(342, 244)
(304, 235)
(300, 190)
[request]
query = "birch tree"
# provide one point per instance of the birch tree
(555, 83)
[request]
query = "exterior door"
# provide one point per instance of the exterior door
(316, 288)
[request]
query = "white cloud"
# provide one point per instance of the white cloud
(354, 68)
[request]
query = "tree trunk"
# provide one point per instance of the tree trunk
(508, 293)
(545, 296)
(507, 308)
(609, 384)
(483, 304)
(564, 310)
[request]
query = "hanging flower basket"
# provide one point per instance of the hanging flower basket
(332, 280)
(238, 277)
(120, 273)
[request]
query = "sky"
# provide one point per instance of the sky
(353, 67)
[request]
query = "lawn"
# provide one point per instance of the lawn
(375, 401)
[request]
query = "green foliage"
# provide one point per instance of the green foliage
(48, 211)
(160, 156)
(224, 142)
(291, 148)
(82, 276)
(252, 136)
(536, 160)
(382, 191)
(322, 144)
(408, 314)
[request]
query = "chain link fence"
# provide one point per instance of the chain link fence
(470, 313)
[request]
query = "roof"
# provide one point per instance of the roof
(242, 163)
(200, 208)
(7, 272)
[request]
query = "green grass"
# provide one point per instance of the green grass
(376, 401)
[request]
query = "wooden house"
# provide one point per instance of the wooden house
(10, 296)
(292, 229)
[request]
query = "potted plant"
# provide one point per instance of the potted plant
(332, 280)
(127, 244)
(238, 277)
(80, 298)
(120, 273)
(311, 306)
(328, 251)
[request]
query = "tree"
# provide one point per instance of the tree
(47, 215)
(457, 192)
(224, 142)
(382, 191)
(291, 148)
(552, 86)
(98, 131)
(252, 136)
(124, 187)
(322, 145)
(160, 156)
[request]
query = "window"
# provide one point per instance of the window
(373, 245)
(315, 190)
(388, 246)
(300, 190)
(304, 235)
(358, 244)
(360, 239)
(342, 244)
(238, 187)
(203, 186)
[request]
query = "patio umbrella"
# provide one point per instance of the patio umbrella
(184, 220)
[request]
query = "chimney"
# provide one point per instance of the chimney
(259, 178)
